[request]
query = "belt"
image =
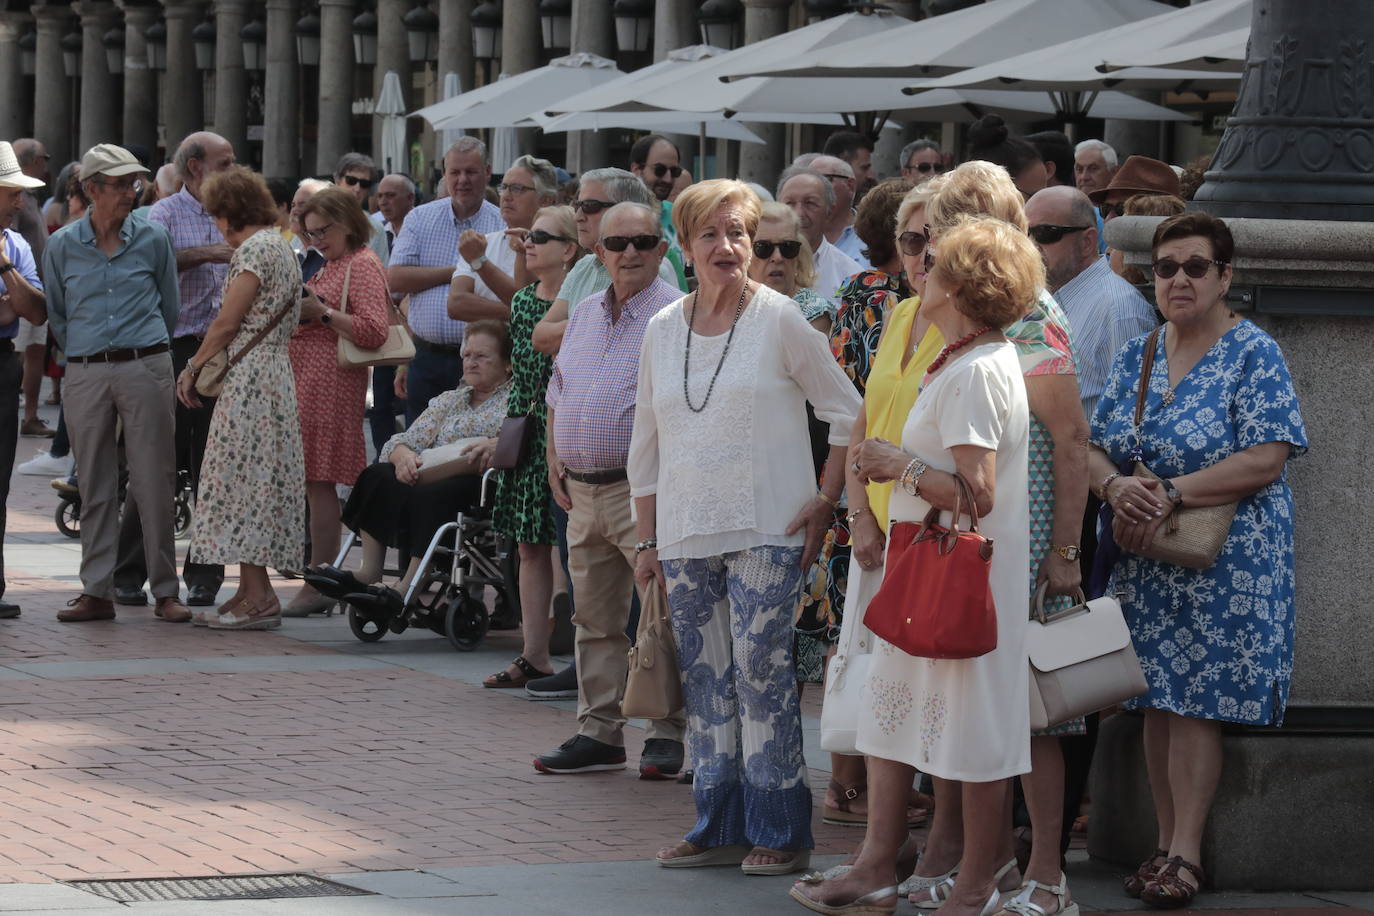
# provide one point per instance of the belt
(125, 355)
(614, 475)
(422, 344)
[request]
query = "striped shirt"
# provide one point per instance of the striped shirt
(202, 287)
(596, 377)
(1104, 312)
(429, 238)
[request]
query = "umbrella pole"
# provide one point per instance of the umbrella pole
(701, 151)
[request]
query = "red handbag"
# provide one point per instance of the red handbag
(935, 600)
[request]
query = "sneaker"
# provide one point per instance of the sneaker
(45, 465)
(36, 429)
(581, 754)
(662, 759)
(559, 686)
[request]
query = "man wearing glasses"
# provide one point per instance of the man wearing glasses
(922, 160)
(356, 173)
(839, 229)
(113, 303)
(655, 160)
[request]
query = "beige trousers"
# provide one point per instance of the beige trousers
(139, 394)
(601, 558)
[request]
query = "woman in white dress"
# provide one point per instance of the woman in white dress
(958, 719)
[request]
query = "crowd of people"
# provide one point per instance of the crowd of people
(728, 393)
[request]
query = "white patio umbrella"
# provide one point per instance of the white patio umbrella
(391, 108)
(671, 122)
(453, 87)
(511, 100)
(1225, 51)
(971, 104)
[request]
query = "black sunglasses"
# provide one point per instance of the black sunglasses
(1047, 234)
(790, 249)
(924, 167)
(1197, 268)
(1109, 210)
(929, 260)
(912, 243)
(540, 237)
(660, 170)
(621, 242)
(354, 181)
(592, 206)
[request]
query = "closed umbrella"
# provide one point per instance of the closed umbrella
(391, 108)
(453, 87)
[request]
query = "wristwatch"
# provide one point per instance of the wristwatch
(8, 267)
(478, 263)
(1172, 492)
(326, 318)
(1069, 552)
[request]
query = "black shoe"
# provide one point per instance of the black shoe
(561, 640)
(556, 686)
(132, 597)
(581, 755)
(687, 778)
(662, 759)
(8, 611)
(200, 596)
(333, 582)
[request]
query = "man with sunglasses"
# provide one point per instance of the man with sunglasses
(113, 302)
(356, 173)
(922, 160)
(655, 160)
(839, 229)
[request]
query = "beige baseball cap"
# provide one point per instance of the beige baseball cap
(11, 175)
(108, 159)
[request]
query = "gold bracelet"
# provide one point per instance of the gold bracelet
(832, 503)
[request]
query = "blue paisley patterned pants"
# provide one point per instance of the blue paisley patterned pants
(732, 616)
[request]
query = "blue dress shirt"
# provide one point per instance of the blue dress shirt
(21, 256)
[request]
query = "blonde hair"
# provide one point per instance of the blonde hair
(995, 267)
(917, 197)
(976, 188)
(699, 202)
(566, 219)
(772, 212)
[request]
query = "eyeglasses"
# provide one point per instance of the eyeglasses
(317, 235)
(591, 207)
(836, 176)
(1195, 267)
(1046, 234)
(660, 170)
(540, 237)
(929, 259)
(504, 188)
(121, 187)
(621, 242)
(353, 181)
(924, 167)
(764, 249)
(1110, 210)
(912, 243)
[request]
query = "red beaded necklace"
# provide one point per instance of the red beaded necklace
(959, 344)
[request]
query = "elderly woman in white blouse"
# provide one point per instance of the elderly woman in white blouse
(729, 517)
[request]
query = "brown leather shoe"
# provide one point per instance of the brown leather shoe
(87, 607)
(171, 610)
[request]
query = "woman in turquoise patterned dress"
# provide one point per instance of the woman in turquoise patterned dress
(522, 509)
(1220, 423)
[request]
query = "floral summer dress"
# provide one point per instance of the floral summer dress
(522, 494)
(251, 507)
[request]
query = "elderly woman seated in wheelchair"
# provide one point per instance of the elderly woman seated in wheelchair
(407, 496)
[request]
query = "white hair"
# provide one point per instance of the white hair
(1108, 154)
(313, 185)
(764, 194)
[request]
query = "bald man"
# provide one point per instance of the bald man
(839, 229)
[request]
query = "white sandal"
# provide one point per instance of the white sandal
(939, 890)
(1021, 905)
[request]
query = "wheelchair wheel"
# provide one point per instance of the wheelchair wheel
(365, 628)
(68, 517)
(466, 622)
(182, 524)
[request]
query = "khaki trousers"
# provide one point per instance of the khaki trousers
(139, 394)
(601, 559)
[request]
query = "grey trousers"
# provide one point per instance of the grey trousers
(139, 394)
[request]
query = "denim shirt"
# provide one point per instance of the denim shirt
(99, 302)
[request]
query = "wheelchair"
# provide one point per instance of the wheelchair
(464, 558)
(68, 514)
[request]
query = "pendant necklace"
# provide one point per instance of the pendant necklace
(687, 358)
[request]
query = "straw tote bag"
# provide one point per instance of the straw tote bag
(397, 350)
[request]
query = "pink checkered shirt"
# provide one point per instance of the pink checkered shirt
(202, 288)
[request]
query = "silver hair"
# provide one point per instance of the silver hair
(26, 150)
(313, 185)
(189, 149)
(764, 194)
(405, 181)
(468, 145)
(1108, 154)
(622, 206)
(794, 171)
(545, 177)
(914, 147)
(805, 160)
(623, 187)
(349, 162)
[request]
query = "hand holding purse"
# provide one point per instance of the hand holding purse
(654, 687)
(397, 350)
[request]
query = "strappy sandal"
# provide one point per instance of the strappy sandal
(1021, 904)
(1167, 889)
(789, 860)
(527, 673)
(864, 905)
(842, 815)
(248, 616)
(936, 895)
(1134, 884)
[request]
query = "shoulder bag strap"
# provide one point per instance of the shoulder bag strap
(343, 300)
(258, 337)
(1147, 365)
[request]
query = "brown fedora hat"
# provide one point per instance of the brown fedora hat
(1140, 175)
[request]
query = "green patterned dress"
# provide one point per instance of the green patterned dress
(522, 494)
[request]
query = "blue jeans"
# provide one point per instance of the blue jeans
(385, 405)
(432, 372)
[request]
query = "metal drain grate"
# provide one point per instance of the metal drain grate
(222, 887)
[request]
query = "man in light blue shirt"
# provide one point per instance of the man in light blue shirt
(113, 301)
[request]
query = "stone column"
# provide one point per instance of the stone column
(336, 83)
(184, 102)
(281, 141)
(52, 97)
(675, 26)
(393, 53)
(1131, 138)
(99, 87)
(455, 42)
(140, 111)
(762, 163)
(593, 32)
(231, 80)
(14, 120)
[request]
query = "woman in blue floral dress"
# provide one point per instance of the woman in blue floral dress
(1220, 422)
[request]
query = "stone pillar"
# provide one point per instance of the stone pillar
(593, 32)
(184, 101)
(675, 26)
(336, 83)
(281, 141)
(52, 97)
(455, 43)
(763, 163)
(231, 80)
(14, 121)
(99, 88)
(393, 53)
(140, 111)
(1135, 138)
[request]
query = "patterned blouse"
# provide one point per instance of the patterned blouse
(865, 301)
(450, 417)
(813, 304)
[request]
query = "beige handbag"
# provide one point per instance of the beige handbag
(654, 687)
(1081, 660)
(1191, 537)
(447, 461)
(397, 350)
(210, 379)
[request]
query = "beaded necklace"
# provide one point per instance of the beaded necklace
(687, 358)
(959, 344)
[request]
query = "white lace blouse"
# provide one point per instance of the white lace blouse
(734, 475)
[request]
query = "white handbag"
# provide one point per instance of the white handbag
(1081, 660)
(447, 461)
(847, 675)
